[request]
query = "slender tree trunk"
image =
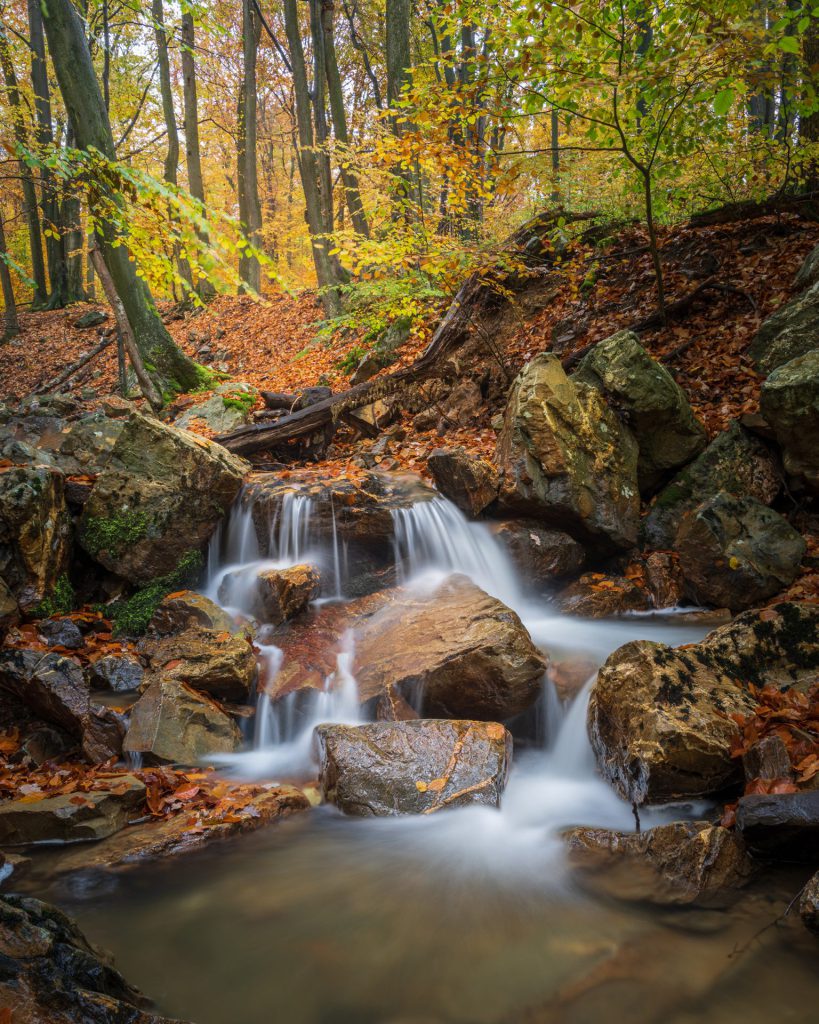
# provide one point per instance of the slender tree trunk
(193, 159)
(308, 167)
(250, 210)
(352, 193)
(30, 206)
(317, 96)
(168, 365)
(11, 325)
(809, 123)
(397, 16)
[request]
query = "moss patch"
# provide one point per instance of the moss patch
(60, 601)
(242, 401)
(116, 533)
(132, 615)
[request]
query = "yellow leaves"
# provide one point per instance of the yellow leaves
(431, 787)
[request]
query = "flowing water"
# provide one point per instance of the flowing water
(466, 917)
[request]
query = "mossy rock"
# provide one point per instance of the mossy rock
(792, 331)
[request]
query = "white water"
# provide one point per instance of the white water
(550, 788)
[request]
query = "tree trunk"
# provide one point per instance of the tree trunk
(11, 325)
(171, 369)
(30, 206)
(247, 173)
(809, 123)
(308, 166)
(397, 16)
(335, 92)
(322, 136)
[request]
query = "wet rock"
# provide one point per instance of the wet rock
(392, 768)
(221, 664)
(181, 610)
(227, 408)
(34, 532)
(121, 673)
(735, 462)
(93, 318)
(657, 410)
(781, 824)
(564, 458)
(570, 675)
(172, 723)
(595, 596)
(72, 817)
(539, 553)
(767, 759)
(103, 734)
(464, 651)
(790, 403)
(47, 743)
(788, 333)
(664, 579)
(161, 494)
(809, 904)
(9, 609)
(660, 718)
(50, 685)
(736, 552)
(61, 633)
(53, 975)
(682, 863)
(283, 593)
(465, 479)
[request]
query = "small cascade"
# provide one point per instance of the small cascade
(436, 535)
(290, 530)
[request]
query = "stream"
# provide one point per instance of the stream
(464, 917)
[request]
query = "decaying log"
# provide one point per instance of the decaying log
(805, 205)
(531, 245)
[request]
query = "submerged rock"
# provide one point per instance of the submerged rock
(736, 552)
(172, 723)
(467, 480)
(595, 596)
(781, 824)
(34, 532)
(565, 458)
(809, 904)
(74, 817)
(790, 403)
(735, 462)
(53, 975)
(162, 493)
(667, 432)
(540, 554)
(660, 718)
(788, 333)
(221, 664)
(682, 863)
(417, 767)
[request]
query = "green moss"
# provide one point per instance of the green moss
(242, 401)
(116, 533)
(132, 615)
(59, 602)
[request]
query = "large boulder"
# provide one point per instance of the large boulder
(681, 863)
(419, 767)
(171, 723)
(660, 718)
(222, 664)
(185, 609)
(467, 480)
(735, 462)
(808, 273)
(791, 331)
(566, 459)
(454, 651)
(75, 817)
(668, 434)
(34, 532)
(161, 494)
(737, 552)
(781, 824)
(53, 975)
(539, 553)
(790, 403)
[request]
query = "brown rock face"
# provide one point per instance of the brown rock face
(466, 480)
(222, 664)
(178, 612)
(659, 718)
(72, 818)
(540, 553)
(283, 593)
(565, 458)
(595, 596)
(420, 767)
(171, 723)
(681, 863)
(664, 579)
(34, 532)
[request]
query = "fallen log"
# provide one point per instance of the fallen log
(805, 205)
(532, 247)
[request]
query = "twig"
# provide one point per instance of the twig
(106, 340)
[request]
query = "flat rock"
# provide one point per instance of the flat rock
(781, 824)
(564, 458)
(173, 724)
(685, 862)
(468, 481)
(417, 767)
(71, 818)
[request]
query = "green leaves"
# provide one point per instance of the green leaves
(723, 101)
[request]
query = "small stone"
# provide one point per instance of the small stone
(595, 596)
(283, 593)
(121, 673)
(93, 318)
(61, 633)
